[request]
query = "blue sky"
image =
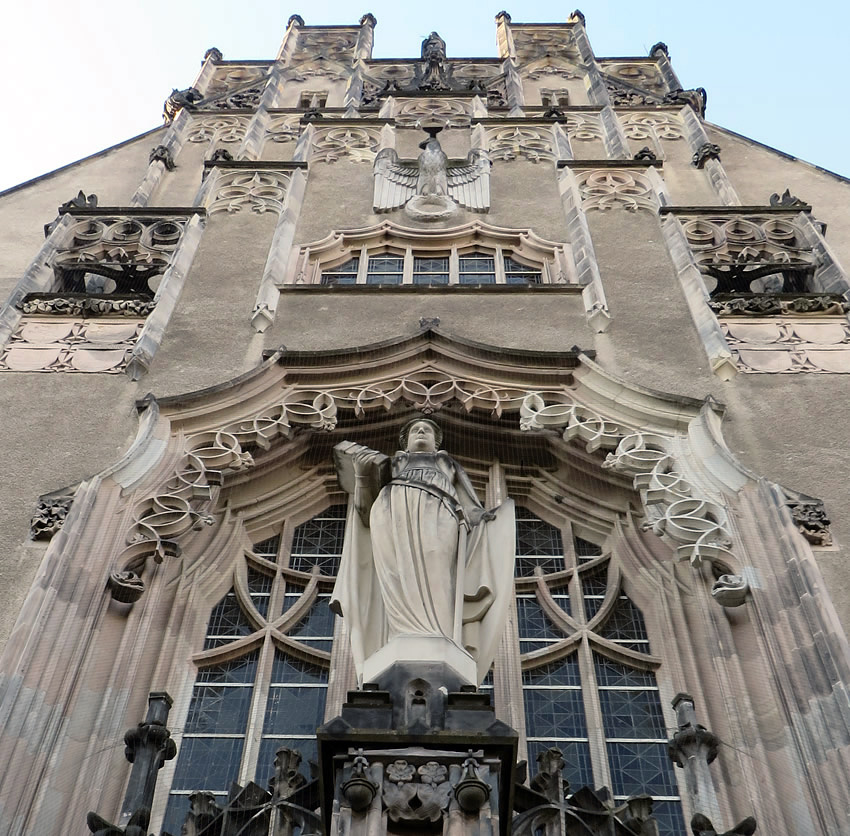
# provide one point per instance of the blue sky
(82, 76)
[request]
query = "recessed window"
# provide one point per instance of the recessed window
(385, 269)
(313, 99)
(431, 270)
(477, 268)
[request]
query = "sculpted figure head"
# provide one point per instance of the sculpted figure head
(421, 435)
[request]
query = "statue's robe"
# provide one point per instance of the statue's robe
(426, 535)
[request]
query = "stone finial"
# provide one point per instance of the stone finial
(295, 19)
(576, 17)
(659, 47)
(503, 16)
(178, 100)
(369, 20)
(203, 811)
(214, 53)
(691, 740)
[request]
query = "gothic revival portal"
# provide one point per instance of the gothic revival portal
(626, 326)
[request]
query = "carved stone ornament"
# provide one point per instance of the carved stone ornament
(789, 345)
(81, 201)
(540, 42)
(752, 253)
(214, 53)
(225, 129)
(246, 98)
(161, 154)
(533, 144)
(584, 128)
(432, 186)
(775, 304)
(49, 516)
(730, 590)
(331, 144)
(413, 794)
(221, 155)
(616, 188)
(624, 95)
(661, 48)
(68, 345)
(643, 76)
(229, 78)
(811, 519)
(81, 304)
(786, 199)
(702, 826)
(259, 191)
(696, 99)
(646, 153)
(707, 151)
(178, 100)
(652, 126)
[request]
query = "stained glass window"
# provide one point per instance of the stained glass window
(267, 694)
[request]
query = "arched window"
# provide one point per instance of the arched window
(586, 688)
(256, 691)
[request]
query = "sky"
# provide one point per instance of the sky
(81, 76)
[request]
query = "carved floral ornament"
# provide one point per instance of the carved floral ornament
(331, 144)
(531, 143)
(535, 43)
(218, 129)
(229, 77)
(454, 113)
(696, 525)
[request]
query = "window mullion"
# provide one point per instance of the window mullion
(363, 268)
(257, 714)
(593, 712)
(454, 266)
(407, 274)
(500, 266)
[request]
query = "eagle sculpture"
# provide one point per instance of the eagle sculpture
(432, 186)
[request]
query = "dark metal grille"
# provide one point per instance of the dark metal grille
(538, 545)
(318, 542)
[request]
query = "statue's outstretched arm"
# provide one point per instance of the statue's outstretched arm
(474, 510)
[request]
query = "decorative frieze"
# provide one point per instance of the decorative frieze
(333, 44)
(331, 144)
(777, 304)
(752, 253)
(228, 78)
(644, 75)
(283, 129)
(217, 130)
(608, 188)
(81, 304)
(245, 98)
(539, 41)
(258, 191)
(551, 71)
(530, 143)
(453, 113)
(69, 345)
(652, 126)
(784, 345)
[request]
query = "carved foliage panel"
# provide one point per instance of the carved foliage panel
(336, 45)
(645, 127)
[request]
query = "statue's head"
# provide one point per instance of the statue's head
(433, 47)
(421, 435)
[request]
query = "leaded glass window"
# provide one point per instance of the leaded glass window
(342, 274)
(518, 273)
(477, 268)
(243, 709)
(431, 270)
(583, 702)
(385, 269)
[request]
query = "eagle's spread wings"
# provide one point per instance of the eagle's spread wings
(395, 180)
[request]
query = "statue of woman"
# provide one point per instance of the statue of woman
(422, 556)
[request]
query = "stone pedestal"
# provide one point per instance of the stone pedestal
(438, 655)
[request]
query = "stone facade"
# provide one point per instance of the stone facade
(631, 332)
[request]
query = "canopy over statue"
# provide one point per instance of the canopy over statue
(426, 571)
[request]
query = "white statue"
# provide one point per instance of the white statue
(422, 558)
(432, 186)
